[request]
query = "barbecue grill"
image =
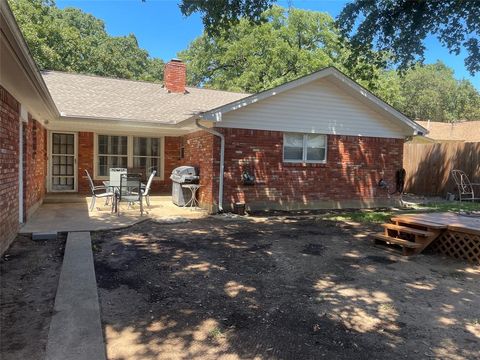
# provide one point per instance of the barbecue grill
(183, 175)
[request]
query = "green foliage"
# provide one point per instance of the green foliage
(71, 40)
(430, 92)
(289, 44)
(380, 216)
(220, 15)
(401, 26)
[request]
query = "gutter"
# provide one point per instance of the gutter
(222, 160)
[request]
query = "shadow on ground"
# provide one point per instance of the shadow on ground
(283, 288)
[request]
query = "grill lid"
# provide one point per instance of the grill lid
(184, 174)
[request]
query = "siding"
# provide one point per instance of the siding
(318, 107)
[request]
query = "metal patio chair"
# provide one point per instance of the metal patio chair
(130, 191)
(464, 186)
(99, 191)
(146, 190)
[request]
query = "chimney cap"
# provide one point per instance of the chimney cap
(176, 60)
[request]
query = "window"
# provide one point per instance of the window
(304, 148)
(112, 153)
(142, 154)
(146, 155)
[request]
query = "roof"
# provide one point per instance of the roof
(457, 131)
(19, 72)
(331, 72)
(90, 96)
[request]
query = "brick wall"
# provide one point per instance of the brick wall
(202, 151)
(348, 179)
(86, 161)
(172, 160)
(34, 165)
(175, 76)
(9, 152)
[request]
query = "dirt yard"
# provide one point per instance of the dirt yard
(280, 288)
(29, 277)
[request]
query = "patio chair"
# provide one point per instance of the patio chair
(130, 191)
(114, 176)
(464, 186)
(146, 190)
(98, 192)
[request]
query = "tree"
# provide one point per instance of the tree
(289, 44)
(398, 26)
(71, 40)
(430, 92)
(220, 15)
(401, 26)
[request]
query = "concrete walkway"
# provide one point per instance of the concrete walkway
(76, 329)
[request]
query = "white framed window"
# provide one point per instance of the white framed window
(112, 153)
(146, 154)
(142, 153)
(304, 148)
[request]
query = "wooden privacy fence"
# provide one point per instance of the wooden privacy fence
(429, 166)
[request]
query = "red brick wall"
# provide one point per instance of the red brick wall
(202, 151)
(86, 161)
(34, 165)
(348, 179)
(172, 160)
(9, 152)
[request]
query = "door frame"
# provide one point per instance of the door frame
(75, 161)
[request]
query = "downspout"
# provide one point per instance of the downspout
(222, 158)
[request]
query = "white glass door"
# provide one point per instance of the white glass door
(63, 162)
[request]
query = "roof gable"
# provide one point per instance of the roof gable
(333, 75)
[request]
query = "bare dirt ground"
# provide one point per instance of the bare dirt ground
(279, 288)
(29, 277)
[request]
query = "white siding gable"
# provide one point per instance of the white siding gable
(317, 107)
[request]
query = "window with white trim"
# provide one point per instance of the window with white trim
(308, 148)
(146, 154)
(112, 153)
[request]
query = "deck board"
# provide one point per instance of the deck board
(449, 220)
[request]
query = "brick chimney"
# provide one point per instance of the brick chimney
(175, 76)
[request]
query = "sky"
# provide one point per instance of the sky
(163, 31)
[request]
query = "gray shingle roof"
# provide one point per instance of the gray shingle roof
(456, 131)
(77, 95)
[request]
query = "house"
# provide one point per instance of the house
(321, 141)
(440, 132)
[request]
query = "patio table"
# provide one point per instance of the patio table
(115, 189)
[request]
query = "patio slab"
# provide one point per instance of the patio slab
(72, 216)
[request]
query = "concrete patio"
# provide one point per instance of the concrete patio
(70, 213)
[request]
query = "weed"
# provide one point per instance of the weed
(387, 307)
(215, 333)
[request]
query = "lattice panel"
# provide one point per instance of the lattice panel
(459, 245)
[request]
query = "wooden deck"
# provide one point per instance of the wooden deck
(448, 220)
(447, 233)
